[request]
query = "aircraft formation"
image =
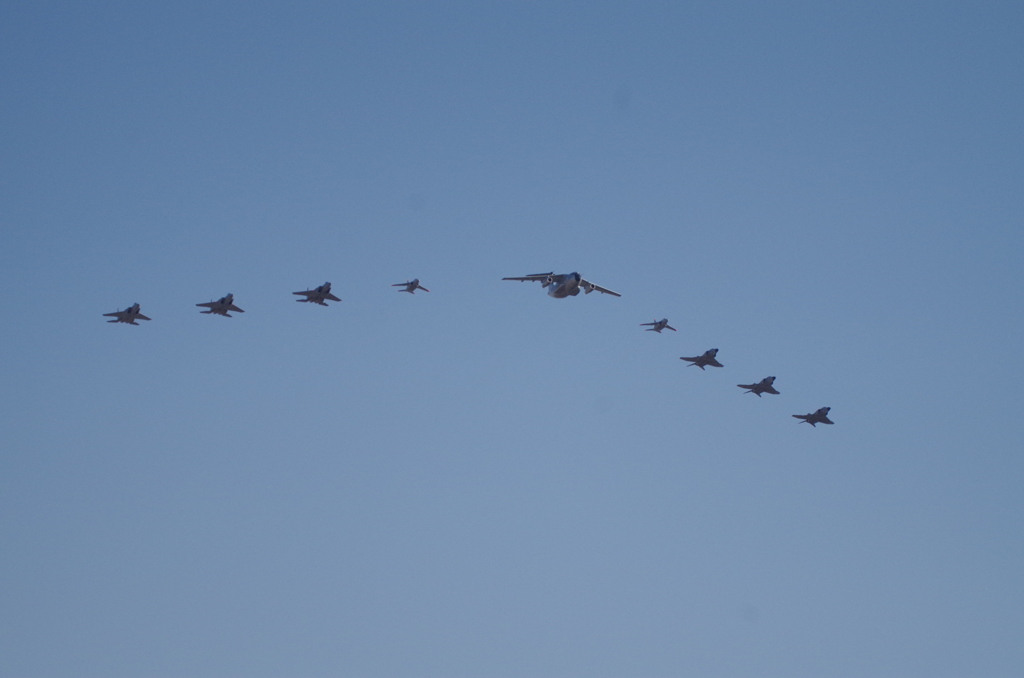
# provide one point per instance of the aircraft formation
(558, 285)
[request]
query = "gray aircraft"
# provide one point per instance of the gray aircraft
(658, 326)
(708, 358)
(564, 285)
(129, 315)
(318, 295)
(763, 386)
(411, 286)
(819, 416)
(222, 306)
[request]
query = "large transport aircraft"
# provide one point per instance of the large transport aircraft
(562, 285)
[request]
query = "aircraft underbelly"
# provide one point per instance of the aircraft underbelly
(565, 289)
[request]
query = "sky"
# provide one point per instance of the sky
(483, 480)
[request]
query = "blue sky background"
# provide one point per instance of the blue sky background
(482, 480)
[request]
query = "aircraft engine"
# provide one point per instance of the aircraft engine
(547, 281)
(589, 288)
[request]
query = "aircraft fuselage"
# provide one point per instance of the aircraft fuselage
(569, 287)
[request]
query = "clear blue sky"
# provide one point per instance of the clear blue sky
(482, 480)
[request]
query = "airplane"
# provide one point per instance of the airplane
(658, 326)
(707, 359)
(129, 315)
(222, 306)
(318, 295)
(564, 284)
(817, 417)
(411, 286)
(763, 386)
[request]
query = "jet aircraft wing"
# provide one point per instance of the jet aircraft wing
(123, 317)
(589, 287)
(540, 277)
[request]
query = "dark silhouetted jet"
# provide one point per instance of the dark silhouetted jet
(411, 286)
(658, 326)
(817, 417)
(763, 386)
(318, 295)
(222, 306)
(129, 315)
(702, 360)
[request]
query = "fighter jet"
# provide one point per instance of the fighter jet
(763, 386)
(658, 326)
(411, 286)
(129, 315)
(817, 417)
(564, 284)
(222, 306)
(707, 359)
(318, 295)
